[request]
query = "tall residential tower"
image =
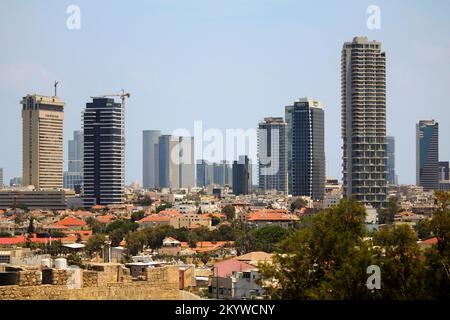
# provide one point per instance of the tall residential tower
(104, 151)
(363, 117)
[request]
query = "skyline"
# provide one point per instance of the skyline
(240, 47)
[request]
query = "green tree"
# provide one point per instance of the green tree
(386, 215)
(116, 237)
(298, 203)
(156, 235)
(31, 229)
(95, 243)
(136, 242)
(402, 269)
(327, 260)
(138, 215)
(74, 259)
(162, 207)
(124, 225)
(229, 211)
(423, 229)
(95, 225)
(265, 238)
(145, 201)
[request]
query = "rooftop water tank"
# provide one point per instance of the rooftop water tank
(46, 263)
(60, 263)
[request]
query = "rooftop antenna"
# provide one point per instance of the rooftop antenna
(56, 85)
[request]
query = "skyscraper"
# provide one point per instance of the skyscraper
(150, 158)
(272, 155)
(205, 173)
(306, 148)
(391, 176)
(1, 178)
(73, 178)
(169, 173)
(104, 151)
(427, 154)
(42, 121)
(187, 162)
(363, 117)
(444, 170)
(242, 176)
(76, 152)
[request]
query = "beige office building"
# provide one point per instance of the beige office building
(42, 120)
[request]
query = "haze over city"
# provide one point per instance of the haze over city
(226, 63)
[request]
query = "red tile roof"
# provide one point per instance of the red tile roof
(71, 222)
(433, 240)
(274, 215)
(154, 219)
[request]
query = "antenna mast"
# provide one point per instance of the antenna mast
(56, 85)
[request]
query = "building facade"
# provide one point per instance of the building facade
(242, 176)
(391, 176)
(444, 170)
(42, 138)
(427, 154)
(31, 199)
(150, 158)
(205, 173)
(213, 173)
(272, 155)
(306, 148)
(187, 162)
(104, 151)
(73, 177)
(363, 117)
(1, 178)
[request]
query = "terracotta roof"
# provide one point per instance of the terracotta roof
(271, 215)
(105, 219)
(71, 222)
(153, 219)
(433, 240)
(83, 213)
(169, 212)
(214, 214)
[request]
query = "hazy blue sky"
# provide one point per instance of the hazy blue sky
(228, 63)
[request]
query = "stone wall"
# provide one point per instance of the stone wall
(90, 278)
(30, 278)
(161, 284)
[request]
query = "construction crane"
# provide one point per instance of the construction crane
(122, 96)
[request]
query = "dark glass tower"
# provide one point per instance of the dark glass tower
(306, 148)
(104, 151)
(241, 176)
(391, 176)
(427, 154)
